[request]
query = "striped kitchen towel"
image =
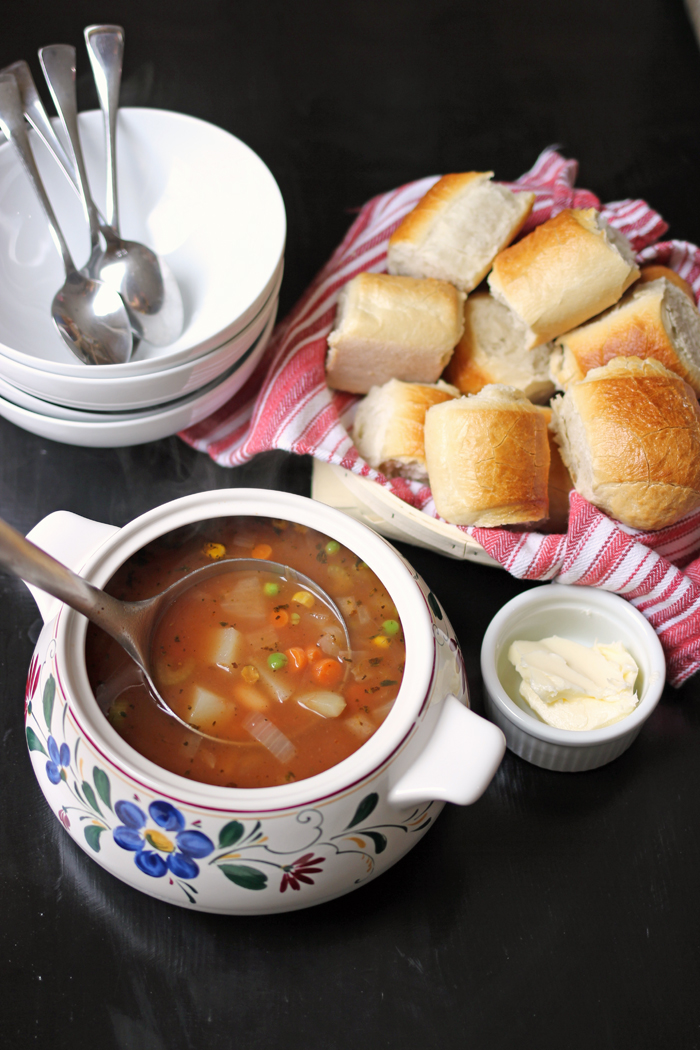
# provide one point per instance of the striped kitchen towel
(286, 404)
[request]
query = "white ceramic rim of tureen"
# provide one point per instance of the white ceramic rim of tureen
(411, 605)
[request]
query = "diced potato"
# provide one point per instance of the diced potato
(361, 725)
(279, 683)
(206, 708)
(227, 646)
(172, 672)
(323, 702)
(251, 697)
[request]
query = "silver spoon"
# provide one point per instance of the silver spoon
(132, 624)
(145, 281)
(89, 316)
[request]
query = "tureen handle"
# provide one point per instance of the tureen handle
(458, 762)
(71, 539)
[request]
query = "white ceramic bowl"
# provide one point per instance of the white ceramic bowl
(191, 191)
(94, 392)
(585, 615)
(243, 847)
(100, 430)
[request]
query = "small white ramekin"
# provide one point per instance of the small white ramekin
(585, 615)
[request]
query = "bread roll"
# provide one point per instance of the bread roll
(488, 458)
(654, 319)
(564, 272)
(492, 350)
(392, 328)
(652, 272)
(559, 483)
(458, 228)
(630, 435)
(388, 428)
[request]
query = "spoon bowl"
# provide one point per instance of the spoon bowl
(89, 316)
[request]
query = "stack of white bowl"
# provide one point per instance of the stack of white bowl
(210, 207)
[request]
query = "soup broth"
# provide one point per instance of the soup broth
(255, 661)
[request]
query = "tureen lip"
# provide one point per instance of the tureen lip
(376, 552)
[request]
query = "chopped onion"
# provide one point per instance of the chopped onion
(363, 615)
(328, 642)
(267, 734)
(347, 606)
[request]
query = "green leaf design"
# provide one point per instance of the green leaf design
(434, 605)
(364, 809)
(380, 841)
(92, 836)
(49, 697)
(242, 875)
(101, 782)
(90, 797)
(33, 742)
(230, 834)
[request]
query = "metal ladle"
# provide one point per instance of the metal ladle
(89, 315)
(132, 624)
(146, 284)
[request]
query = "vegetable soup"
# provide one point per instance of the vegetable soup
(256, 663)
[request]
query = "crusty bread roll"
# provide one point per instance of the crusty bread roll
(559, 483)
(392, 328)
(654, 319)
(388, 428)
(488, 458)
(652, 272)
(564, 272)
(458, 228)
(630, 435)
(492, 350)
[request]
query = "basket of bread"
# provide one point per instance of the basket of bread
(502, 371)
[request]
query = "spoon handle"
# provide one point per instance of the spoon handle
(105, 45)
(12, 124)
(36, 115)
(58, 63)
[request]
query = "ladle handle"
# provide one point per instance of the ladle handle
(21, 558)
(58, 63)
(12, 124)
(105, 45)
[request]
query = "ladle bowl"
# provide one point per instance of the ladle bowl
(133, 624)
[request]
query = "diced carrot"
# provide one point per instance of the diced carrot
(279, 618)
(297, 658)
(262, 550)
(327, 672)
(312, 653)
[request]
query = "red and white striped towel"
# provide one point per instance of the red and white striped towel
(286, 404)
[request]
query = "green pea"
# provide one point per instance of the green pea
(271, 589)
(332, 547)
(277, 661)
(391, 626)
(294, 619)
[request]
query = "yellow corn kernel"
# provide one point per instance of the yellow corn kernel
(381, 641)
(214, 550)
(277, 523)
(304, 598)
(250, 674)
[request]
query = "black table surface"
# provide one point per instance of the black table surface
(559, 910)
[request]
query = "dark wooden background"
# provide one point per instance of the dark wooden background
(559, 911)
